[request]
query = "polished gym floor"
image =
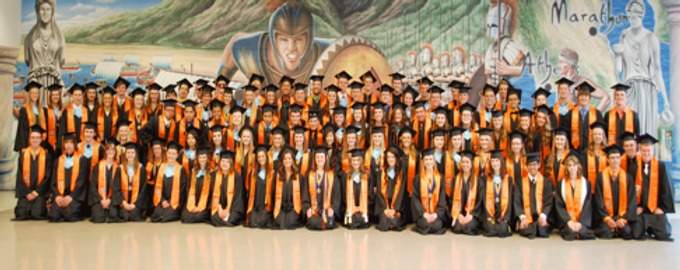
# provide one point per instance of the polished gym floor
(40, 245)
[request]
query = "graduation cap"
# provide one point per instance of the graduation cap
(247, 128)
(368, 74)
(34, 84)
(564, 80)
(295, 108)
(489, 87)
(286, 79)
(340, 110)
(496, 154)
(428, 152)
(201, 81)
(484, 131)
(203, 150)
(75, 87)
(560, 131)
(621, 87)
(137, 91)
(37, 128)
(314, 114)
(534, 157)
(516, 134)
(496, 113)
(614, 149)
(91, 85)
(55, 87)
(468, 154)
(378, 105)
(419, 104)
(456, 131)
(287, 149)
(216, 103)
(299, 86)
(526, 113)
(598, 124)
(514, 91)
(174, 145)
(279, 130)
(208, 88)
(221, 78)
(71, 136)
(268, 108)
(439, 132)
(410, 90)
(467, 107)
(299, 129)
(375, 130)
(441, 110)
(544, 109)
(189, 103)
(408, 130)
(226, 154)
(169, 103)
(107, 90)
(465, 90)
(329, 128)
(456, 84)
(585, 87)
(394, 149)
(157, 141)
(627, 136)
(386, 88)
(358, 105)
(169, 89)
(540, 91)
(357, 152)
(228, 90)
(256, 77)
(250, 88)
(356, 85)
(343, 74)
(271, 88)
(316, 78)
(112, 141)
(320, 149)
(399, 105)
(261, 148)
(397, 76)
(90, 125)
(154, 86)
(333, 88)
(186, 82)
(237, 109)
(425, 80)
(131, 146)
(572, 153)
(122, 122)
(194, 131)
(352, 129)
(435, 90)
(120, 80)
(217, 128)
(647, 139)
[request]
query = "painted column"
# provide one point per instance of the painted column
(10, 35)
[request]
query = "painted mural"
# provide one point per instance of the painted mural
(530, 43)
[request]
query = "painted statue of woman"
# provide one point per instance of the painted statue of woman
(44, 46)
(638, 59)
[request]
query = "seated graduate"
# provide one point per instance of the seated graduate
(260, 184)
(533, 200)
(197, 209)
(152, 170)
(467, 198)
(428, 202)
(289, 187)
(131, 182)
(68, 183)
(497, 198)
(227, 207)
(654, 194)
(573, 201)
(614, 210)
(358, 192)
(103, 202)
(33, 178)
(321, 200)
(390, 201)
(169, 193)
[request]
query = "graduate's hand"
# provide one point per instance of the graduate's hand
(165, 204)
(542, 221)
(461, 219)
(58, 200)
(611, 223)
(578, 226)
(620, 223)
(523, 223)
(639, 210)
(222, 213)
(309, 213)
(572, 225)
(31, 196)
(330, 212)
(67, 200)
(658, 211)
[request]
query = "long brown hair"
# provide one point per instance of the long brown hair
(579, 172)
(281, 171)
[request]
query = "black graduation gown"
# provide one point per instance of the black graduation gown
(287, 218)
(358, 221)
(202, 216)
(547, 203)
(421, 225)
(99, 214)
(563, 216)
(150, 131)
(37, 208)
(73, 211)
(21, 139)
(63, 128)
(238, 207)
(169, 214)
(109, 124)
(655, 225)
(259, 217)
(533, 142)
(472, 227)
(584, 127)
(316, 221)
(621, 125)
(404, 175)
(600, 211)
(143, 200)
(382, 203)
(501, 224)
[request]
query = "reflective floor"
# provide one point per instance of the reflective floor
(41, 245)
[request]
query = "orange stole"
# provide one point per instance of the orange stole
(133, 124)
(51, 129)
(162, 132)
(613, 116)
(26, 166)
(70, 121)
(607, 192)
(575, 119)
(510, 166)
(624, 161)
(261, 132)
(526, 196)
(158, 188)
(101, 115)
(472, 196)
(416, 126)
(304, 163)
(594, 170)
(95, 153)
(410, 172)
(573, 198)
(183, 131)
(101, 181)
(490, 198)
(430, 205)
(205, 191)
(74, 173)
(32, 117)
(217, 192)
(297, 202)
(252, 190)
(330, 176)
(383, 190)
(124, 184)
(449, 171)
(477, 163)
(363, 201)
(653, 198)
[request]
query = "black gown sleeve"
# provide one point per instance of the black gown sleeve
(586, 217)
(631, 214)
(416, 204)
(116, 191)
(21, 189)
(548, 197)
(148, 131)
(21, 139)
(665, 191)
(80, 192)
(478, 210)
(94, 197)
(336, 196)
(441, 204)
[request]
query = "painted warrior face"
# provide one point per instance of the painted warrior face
(291, 30)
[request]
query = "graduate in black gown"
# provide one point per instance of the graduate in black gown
(614, 210)
(197, 209)
(358, 193)
(321, 198)
(260, 189)
(573, 201)
(131, 184)
(68, 183)
(169, 194)
(428, 201)
(289, 187)
(73, 116)
(498, 186)
(467, 198)
(533, 200)
(33, 178)
(30, 114)
(654, 193)
(163, 127)
(228, 203)
(390, 202)
(103, 202)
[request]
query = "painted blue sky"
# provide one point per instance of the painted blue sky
(75, 12)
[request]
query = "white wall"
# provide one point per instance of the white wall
(10, 23)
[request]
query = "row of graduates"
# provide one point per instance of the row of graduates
(277, 194)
